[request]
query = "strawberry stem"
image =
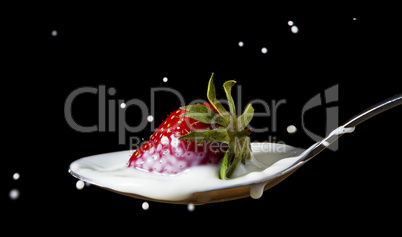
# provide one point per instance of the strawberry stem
(231, 130)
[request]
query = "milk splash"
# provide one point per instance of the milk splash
(145, 206)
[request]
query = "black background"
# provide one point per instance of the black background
(131, 48)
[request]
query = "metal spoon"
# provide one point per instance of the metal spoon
(237, 192)
(244, 191)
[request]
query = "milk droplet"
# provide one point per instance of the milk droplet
(241, 44)
(256, 190)
(291, 129)
(123, 105)
(264, 50)
(80, 184)
(16, 176)
(145, 206)
(290, 23)
(165, 79)
(190, 207)
(150, 118)
(164, 140)
(294, 29)
(14, 194)
(54, 33)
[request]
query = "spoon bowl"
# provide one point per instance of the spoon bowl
(196, 187)
(213, 196)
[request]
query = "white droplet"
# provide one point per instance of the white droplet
(16, 176)
(294, 29)
(80, 184)
(165, 140)
(241, 44)
(165, 79)
(175, 141)
(264, 50)
(290, 23)
(54, 33)
(14, 194)
(145, 206)
(190, 207)
(291, 129)
(256, 190)
(355, 18)
(123, 105)
(150, 118)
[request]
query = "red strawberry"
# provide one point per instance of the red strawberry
(198, 135)
(164, 153)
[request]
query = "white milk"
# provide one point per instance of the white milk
(110, 171)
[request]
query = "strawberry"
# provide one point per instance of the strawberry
(164, 153)
(196, 135)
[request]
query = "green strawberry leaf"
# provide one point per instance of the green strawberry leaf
(246, 151)
(203, 114)
(227, 86)
(214, 135)
(246, 117)
(197, 108)
(227, 158)
(206, 118)
(241, 152)
(211, 94)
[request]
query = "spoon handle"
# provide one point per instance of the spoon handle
(349, 126)
(374, 110)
